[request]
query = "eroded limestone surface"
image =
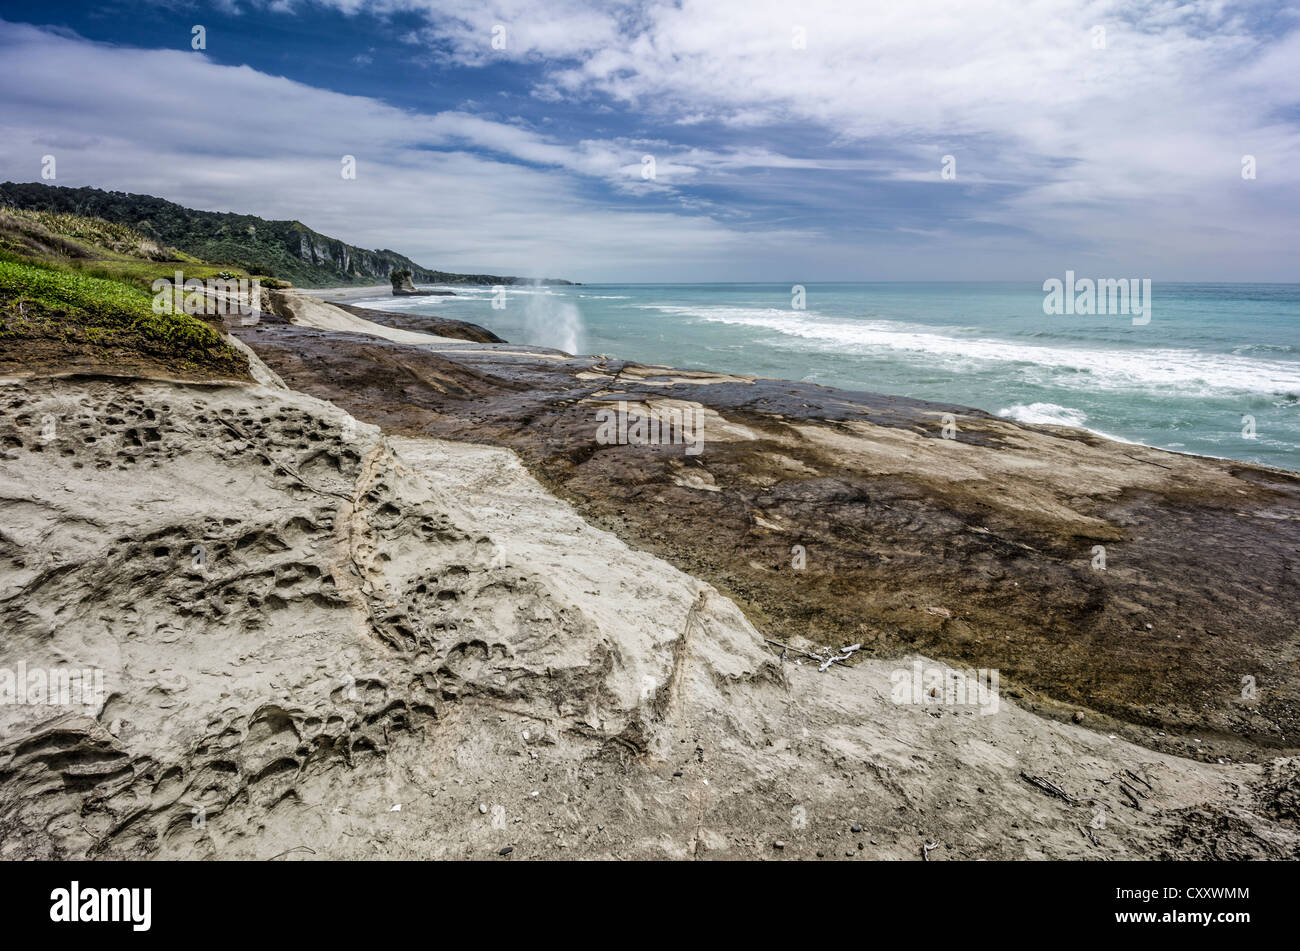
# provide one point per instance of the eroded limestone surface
(318, 642)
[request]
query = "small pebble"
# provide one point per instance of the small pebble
(507, 850)
(856, 829)
(482, 807)
(778, 844)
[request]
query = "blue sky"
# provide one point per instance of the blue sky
(773, 159)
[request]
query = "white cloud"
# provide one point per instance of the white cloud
(1150, 128)
(273, 147)
(1130, 154)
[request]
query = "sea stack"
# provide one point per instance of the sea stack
(402, 284)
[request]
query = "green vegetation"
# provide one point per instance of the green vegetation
(99, 249)
(75, 236)
(73, 294)
(284, 249)
(142, 274)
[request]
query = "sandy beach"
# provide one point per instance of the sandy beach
(349, 293)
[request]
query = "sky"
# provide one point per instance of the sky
(725, 140)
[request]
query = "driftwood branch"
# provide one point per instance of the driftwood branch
(1049, 787)
(1135, 776)
(824, 659)
(1131, 795)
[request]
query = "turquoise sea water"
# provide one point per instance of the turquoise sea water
(1211, 354)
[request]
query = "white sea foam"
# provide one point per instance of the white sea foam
(1045, 413)
(1050, 414)
(488, 290)
(389, 303)
(1188, 372)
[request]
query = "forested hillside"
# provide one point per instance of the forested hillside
(284, 249)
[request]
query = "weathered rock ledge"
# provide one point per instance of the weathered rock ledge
(982, 549)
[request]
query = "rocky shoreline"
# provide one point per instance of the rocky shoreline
(978, 549)
(392, 597)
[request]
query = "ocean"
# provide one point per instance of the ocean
(1215, 371)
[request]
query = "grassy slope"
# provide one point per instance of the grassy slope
(74, 293)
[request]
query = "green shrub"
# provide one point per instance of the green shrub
(40, 300)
